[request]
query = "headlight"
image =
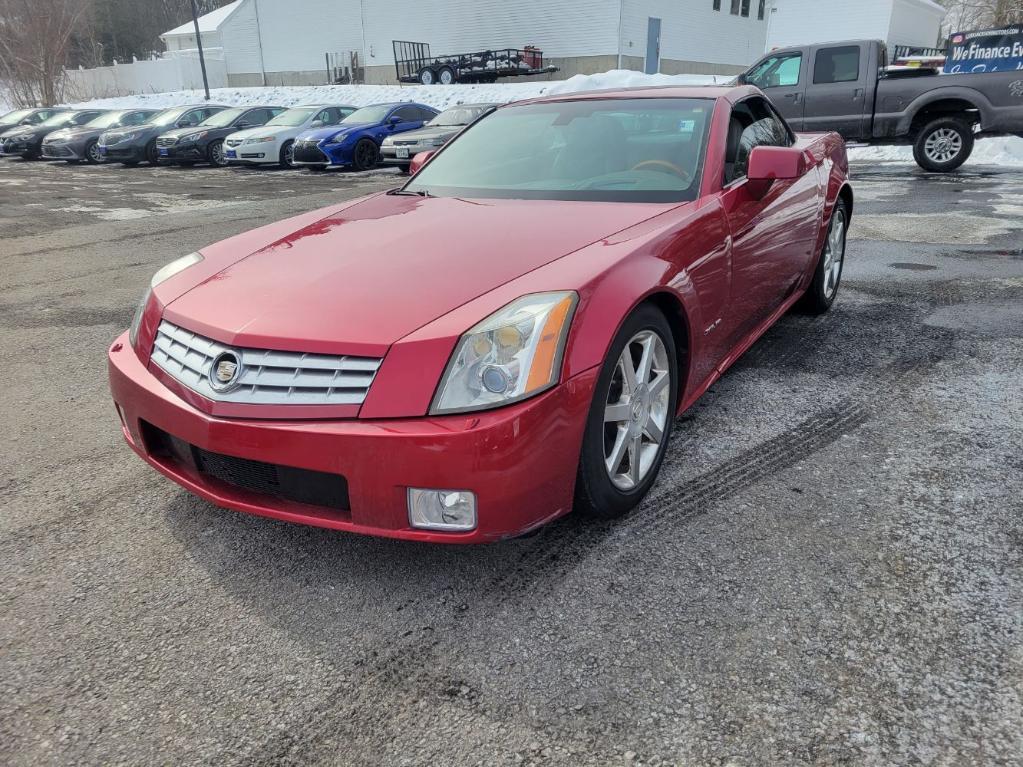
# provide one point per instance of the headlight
(338, 138)
(192, 137)
(259, 140)
(162, 275)
(511, 355)
(436, 142)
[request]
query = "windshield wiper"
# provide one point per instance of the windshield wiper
(410, 193)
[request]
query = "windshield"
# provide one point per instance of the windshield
(57, 120)
(292, 117)
(15, 117)
(367, 115)
(168, 116)
(222, 119)
(109, 120)
(456, 116)
(627, 150)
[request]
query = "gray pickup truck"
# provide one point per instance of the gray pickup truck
(847, 87)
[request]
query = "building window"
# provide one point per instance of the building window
(717, 5)
(745, 8)
(760, 10)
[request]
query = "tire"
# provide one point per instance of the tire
(828, 275)
(287, 155)
(426, 76)
(365, 155)
(606, 485)
(446, 76)
(91, 153)
(943, 144)
(215, 154)
(405, 168)
(152, 157)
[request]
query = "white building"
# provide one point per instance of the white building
(287, 41)
(915, 23)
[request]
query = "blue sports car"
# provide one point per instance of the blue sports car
(356, 140)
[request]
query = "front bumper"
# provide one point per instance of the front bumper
(60, 152)
(15, 148)
(389, 154)
(322, 154)
(181, 153)
(122, 153)
(244, 154)
(520, 460)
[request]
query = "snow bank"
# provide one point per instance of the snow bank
(996, 151)
(1004, 151)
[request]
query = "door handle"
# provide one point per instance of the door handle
(858, 93)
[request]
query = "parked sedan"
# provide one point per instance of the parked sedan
(205, 142)
(398, 150)
(27, 141)
(82, 143)
(507, 336)
(356, 141)
(20, 117)
(134, 145)
(275, 141)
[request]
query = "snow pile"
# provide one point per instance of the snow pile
(1004, 151)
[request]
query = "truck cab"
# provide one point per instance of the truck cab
(825, 87)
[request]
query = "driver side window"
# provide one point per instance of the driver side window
(776, 72)
(753, 123)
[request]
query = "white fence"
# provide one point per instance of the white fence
(175, 72)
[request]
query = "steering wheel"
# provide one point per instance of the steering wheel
(672, 167)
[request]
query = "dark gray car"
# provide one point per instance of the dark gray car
(136, 144)
(81, 142)
(27, 141)
(21, 117)
(400, 149)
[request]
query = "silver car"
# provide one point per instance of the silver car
(400, 149)
(81, 142)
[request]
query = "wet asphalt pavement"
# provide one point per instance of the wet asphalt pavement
(829, 570)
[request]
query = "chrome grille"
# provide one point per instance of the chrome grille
(166, 141)
(233, 142)
(267, 377)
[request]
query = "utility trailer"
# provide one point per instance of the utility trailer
(414, 63)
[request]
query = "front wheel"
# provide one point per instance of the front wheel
(215, 154)
(631, 417)
(287, 156)
(365, 155)
(943, 145)
(152, 154)
(92, 155)
(822, 291)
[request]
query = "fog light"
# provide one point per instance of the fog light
(441, 509)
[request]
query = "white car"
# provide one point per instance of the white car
(273, 142)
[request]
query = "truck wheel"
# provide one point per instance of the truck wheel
(943, 145)
(446, 76)
(426, 76)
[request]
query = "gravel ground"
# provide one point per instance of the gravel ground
(828, 571)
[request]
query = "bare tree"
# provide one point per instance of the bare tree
(964, 15)
(35, 37)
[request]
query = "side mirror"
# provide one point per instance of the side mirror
(419, 161)
(773, 163)
(186, 124)
(317, 124)
(394, 120)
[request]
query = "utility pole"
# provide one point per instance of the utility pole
(198, 42)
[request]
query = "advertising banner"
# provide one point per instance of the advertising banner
(987, 50)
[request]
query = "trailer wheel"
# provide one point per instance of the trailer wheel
(426, 76)
(943, 145)
(446, 76)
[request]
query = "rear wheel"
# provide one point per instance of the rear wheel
(943, 145)
(822, 291)
(631, 417)
(287, 156)
(91, 154)
(365, 155)
(152, 156)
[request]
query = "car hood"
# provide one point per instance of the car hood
(319, 134)
(179, 132)
(70, 134)
(359, 279)
(428, 133)
(273, 130)
(27, 131)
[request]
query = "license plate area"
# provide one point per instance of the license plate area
(401, 152)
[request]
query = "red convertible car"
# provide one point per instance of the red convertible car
(506, 337)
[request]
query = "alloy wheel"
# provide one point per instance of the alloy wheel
(834, 253)
(217, 153)
(365, 155)
(93, 153)
(289, 155)
(943, 145)
(637, 410)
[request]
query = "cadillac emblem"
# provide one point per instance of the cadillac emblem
(225, 371)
